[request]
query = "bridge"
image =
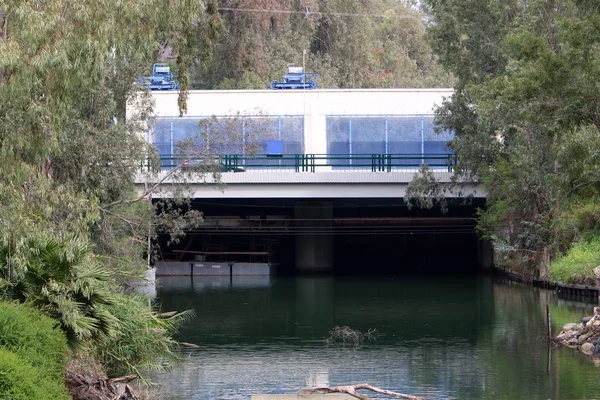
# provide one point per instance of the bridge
(295, 163)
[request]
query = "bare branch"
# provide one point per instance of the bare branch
(352, 391)
(149, 191)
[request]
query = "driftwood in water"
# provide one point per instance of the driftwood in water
(352, 391)
(86, 387)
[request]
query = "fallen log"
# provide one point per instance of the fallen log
(352, 391)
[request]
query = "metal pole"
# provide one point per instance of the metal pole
(350, 139)
(244, 140)
(279, 131)
(171, 144)
(422, 139)
(386, 134)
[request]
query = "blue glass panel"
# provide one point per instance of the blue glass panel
(430, 135)
(368, 137)
(404, 137)
(338, 137)
(161, 134)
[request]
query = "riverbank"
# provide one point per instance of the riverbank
(591, 292)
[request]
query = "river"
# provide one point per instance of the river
(463, 337)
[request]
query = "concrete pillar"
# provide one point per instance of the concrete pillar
(314, 240)
(485, 254)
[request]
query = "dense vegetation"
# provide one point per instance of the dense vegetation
(527, 118)
(32, 355)
(74, 231)
(349, 43)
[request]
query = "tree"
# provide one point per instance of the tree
(352, 44)
(523, 101)
(74, 225)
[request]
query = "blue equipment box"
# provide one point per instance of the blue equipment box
(274, 148)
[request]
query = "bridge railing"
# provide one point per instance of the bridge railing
(313, 162)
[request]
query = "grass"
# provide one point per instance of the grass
(577, 266)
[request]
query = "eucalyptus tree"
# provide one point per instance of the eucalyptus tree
(353, 44)
(72, 221)
(525, 114)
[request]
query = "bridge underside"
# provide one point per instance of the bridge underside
(364, 236)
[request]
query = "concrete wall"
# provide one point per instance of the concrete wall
(210, 268)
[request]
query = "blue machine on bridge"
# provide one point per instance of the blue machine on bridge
(161, 79)
(296, 78)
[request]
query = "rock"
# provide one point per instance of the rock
(592, 320)
(585, 320)
(572, 342)
(570, 327)
(587, 348)
(580, 326)
(596, 350)
(597, 271)
(583, 338)
(565, 336)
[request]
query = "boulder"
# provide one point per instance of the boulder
(570, 327)
(592, 321)
(565, 336)
(587, 348)
(584, 338)
(572, 342)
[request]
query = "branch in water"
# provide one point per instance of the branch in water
(352, 391)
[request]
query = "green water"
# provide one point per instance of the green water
(440, 338)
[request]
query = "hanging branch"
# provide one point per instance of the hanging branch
(3, 33)
(148, 191)
(352, 391)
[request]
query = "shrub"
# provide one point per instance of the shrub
(143, 340)
(33, 337)
(578, 264)
(19, 380)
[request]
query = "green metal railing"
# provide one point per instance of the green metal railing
(310, 162)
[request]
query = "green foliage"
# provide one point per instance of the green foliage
(142, 340)
(63, 279)
(74, 228)
(33, 337)
(33, 351)
(20, 380)
(354, 44)
(525, 114)
(578, 264)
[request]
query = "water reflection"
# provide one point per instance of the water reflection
(462, 338)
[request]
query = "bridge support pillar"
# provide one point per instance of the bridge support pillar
(485, 254)
(314, 238)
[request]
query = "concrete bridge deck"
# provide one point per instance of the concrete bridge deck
(290, 184)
